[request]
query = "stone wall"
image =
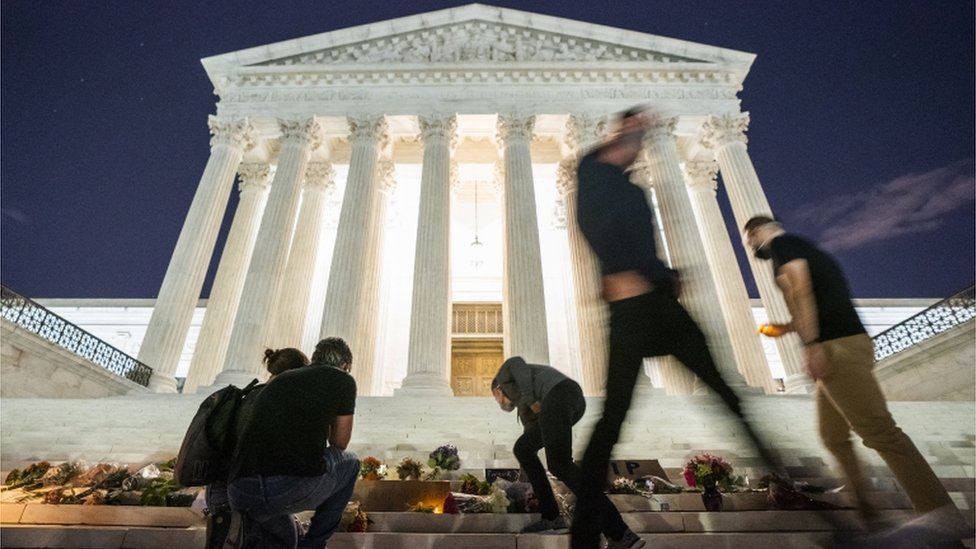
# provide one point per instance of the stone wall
(32, 367)
(940, 368)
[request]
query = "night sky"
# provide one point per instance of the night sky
(862, 127)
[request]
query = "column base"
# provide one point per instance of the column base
(799, 384)
(162, 383)
(424, 385)
(239, 378)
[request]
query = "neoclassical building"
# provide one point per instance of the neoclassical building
(409, 185)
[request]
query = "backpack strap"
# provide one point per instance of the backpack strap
(251, 385)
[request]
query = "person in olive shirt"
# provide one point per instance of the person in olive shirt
(549, 404)
(840, 358)
(292, 454)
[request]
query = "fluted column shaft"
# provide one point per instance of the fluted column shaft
(726, 137)
(340, 317)
(225, 294)
(591, 317)
(582, 132)
(687, 251)
(303, 256)
(163, 344)
(253, 328)
(733, 298)
(370, 301)
(523, 304)
(428, 359)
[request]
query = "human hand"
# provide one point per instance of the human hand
(817, 366)
(536, 407)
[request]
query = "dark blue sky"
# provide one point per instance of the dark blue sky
(862, 126)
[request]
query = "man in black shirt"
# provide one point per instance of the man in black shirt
(840, 357)
(292, 454)
(645, 316)
(549, 404)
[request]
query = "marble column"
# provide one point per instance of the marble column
(582, 132)
(733, 297)
(166, 334)
(523, 298)
(725, 135)
(303, 256)
(225, 295)
(687, 251)
(347, 281)
(253, 328)
(676, 378)
(429, 355)
(366, 329)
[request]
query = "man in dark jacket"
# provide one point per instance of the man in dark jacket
(549, 404)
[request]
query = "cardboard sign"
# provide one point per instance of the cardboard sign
(511, 475)
(635, 469)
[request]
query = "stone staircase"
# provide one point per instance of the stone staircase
(137, 429)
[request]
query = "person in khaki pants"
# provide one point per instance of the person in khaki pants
(840, 357)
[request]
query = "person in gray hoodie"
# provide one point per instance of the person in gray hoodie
(549, 404)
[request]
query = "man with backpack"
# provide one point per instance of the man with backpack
(292, 454)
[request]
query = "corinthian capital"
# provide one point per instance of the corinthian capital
(583, 131)
(723, 130)
(513, 127)
(660, 129)
(566, 176)
(234, 133)
(301, 132)
(386, 176)
(436, 128)
(700, 175)
(320, 176)
(368, 130)
(254, 176)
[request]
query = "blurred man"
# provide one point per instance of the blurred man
(840, 357)
(645, 316)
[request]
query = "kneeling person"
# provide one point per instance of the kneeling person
(549, 404)
(292, 456)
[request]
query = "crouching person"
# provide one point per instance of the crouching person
(292, 455)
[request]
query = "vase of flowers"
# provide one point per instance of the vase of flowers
(371, 468)
(443, 459)
(710, 472)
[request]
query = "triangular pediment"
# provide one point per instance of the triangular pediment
(479, 41)
(476, 34)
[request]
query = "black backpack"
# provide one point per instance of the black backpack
(209, 440)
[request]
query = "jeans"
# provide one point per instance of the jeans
(849, 398)
(653, 324)
(268, 503)
(553, 430)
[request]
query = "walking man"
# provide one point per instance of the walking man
(645, 316)
(549, 404)
(840, 357)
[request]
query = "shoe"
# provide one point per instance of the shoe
(630, 540)
(546, 526)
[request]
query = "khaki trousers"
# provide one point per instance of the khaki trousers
(849, 398)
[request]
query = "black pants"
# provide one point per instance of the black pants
(553, 430)
(653, 324)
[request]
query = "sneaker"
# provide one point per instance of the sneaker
(546, 526)
(630, 540)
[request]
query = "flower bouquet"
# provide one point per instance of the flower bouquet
(711, 473)
(372, 469)
(409, 469)
(444, 458)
